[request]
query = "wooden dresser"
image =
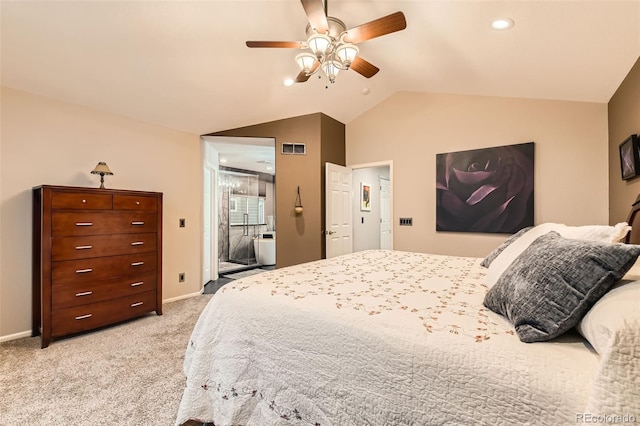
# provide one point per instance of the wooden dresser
(97, 258)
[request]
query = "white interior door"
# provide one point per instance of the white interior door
(338, 199)
(386, 242)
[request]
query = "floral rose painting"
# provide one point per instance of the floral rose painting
(485, 190)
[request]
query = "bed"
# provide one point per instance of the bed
(399, 338)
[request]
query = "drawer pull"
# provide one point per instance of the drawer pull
(82, 271)
(137, 284)
(81, 317)
(138, 203)
(84, 201)
(84, 293)
(83, 247)
(137, 263)
(137, 223)
(84, 223)
(137, 243)
(133, 305)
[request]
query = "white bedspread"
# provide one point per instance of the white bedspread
(376, 338)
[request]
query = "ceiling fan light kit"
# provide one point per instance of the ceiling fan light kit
(331, 69)
(333, 47)
(319, 44)
(305, 61)
(347, 53)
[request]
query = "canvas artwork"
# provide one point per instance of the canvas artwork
(485, 190)
(365, 197)
(630, 157)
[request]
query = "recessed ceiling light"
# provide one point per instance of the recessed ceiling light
(288, 82)
(502, 24)
(223, 160)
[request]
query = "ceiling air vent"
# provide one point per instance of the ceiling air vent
(294, 148)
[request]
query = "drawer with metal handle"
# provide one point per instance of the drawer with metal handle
(135, 202)
(98, 269)
(79, 318)
(81, 292)
(80, 200)
(86, 246)
(96, 223)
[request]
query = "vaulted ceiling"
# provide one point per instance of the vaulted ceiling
(185, 65)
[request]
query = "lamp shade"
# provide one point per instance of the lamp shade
(305, 61)
(101, 169)
(319, 43)
(331, 69)
(347, 53)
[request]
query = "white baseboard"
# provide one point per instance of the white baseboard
(184, 296)
(28, 333)
(15, 336)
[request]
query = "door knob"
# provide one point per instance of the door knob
(329, 232)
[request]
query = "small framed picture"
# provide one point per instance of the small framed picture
(365, 197)
(630, 158)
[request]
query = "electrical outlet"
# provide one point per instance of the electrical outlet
(182, 223)
(181, 277)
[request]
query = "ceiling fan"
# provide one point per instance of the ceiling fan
(333, 47)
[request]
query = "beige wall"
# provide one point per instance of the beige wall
(299, 238)
(49, 142)
(44, 141)
(624, 120)
(571, 177)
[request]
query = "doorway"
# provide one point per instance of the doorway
(372, 223)
(238, 204)
(360, 216)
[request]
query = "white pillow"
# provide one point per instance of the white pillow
(601, 233)
(615, 314)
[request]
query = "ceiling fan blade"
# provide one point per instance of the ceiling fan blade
(285, 44)
(379, 27)
(303, 76)
(314, 10)
(364, 67)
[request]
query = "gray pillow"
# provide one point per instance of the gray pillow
(555, 281)
(491, 257)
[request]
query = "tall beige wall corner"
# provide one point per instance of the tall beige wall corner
(45, 141)
(624, 120)
(299, 236)
(571, 169)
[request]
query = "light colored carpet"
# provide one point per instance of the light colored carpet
(129, 374)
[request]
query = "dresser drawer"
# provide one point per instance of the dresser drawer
(82, 292)
(67, 248)
(96, 269)
(85, 317)
(96, 223)
(80, 200)
(135, 202)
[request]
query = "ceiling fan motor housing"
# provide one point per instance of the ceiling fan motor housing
(336, 28)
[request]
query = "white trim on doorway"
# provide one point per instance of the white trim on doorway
(210, 223)
(389, 164)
